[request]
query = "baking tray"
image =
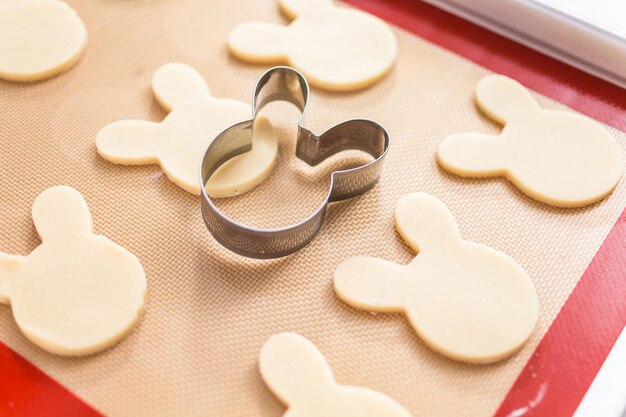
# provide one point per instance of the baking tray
(589, 37)
(208, 313)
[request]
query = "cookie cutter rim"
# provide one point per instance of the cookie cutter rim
(287, 84)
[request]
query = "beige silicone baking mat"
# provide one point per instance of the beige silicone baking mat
(208, 312)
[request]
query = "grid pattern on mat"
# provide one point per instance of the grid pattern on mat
(208, 313)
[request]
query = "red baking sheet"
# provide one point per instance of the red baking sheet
(569, 356)
(25, 391)
(558, 374)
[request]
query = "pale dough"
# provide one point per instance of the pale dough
(335, 48)
(297, 373)
(38, 39)
(179, 142)
(560, 158)
(465, 300)
(77, 293)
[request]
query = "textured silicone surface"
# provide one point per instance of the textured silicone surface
(208, 312)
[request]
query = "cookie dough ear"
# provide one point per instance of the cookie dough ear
(425, 223)
(503, 99)
(473, 154)
(9, 267)
(177, 85)
(60, 213)
(293, 368)
(259, 42)
(371, 284)
(127, 142)
(296, 8)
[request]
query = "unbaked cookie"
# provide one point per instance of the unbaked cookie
(179, 142)
(39, 39)
(77, 293)
(465, 300)
(335, 48)
(300, 377)
(559, 158)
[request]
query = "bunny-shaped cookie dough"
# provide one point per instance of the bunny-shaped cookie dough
(335, 48)
(77, 293)
(300, 377)
(465, 300)
(179, 142)
(40, 39)
(560, 158)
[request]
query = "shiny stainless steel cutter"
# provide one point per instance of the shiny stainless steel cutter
(287, 84)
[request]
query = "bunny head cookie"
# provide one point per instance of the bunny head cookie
(40, 39)
(77, 293)
(336, 48)
(297, 373)
(179, 142)
(465, 300)
(559, 158)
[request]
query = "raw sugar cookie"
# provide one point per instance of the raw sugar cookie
(77, 293)
(560, 158)
(39, 39)
(336, 48)
(178, 143)
(465, 300)
(297, 373)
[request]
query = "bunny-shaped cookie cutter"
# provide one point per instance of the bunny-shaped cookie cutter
(287, 84)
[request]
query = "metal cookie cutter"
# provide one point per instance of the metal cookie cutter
(287, 84)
